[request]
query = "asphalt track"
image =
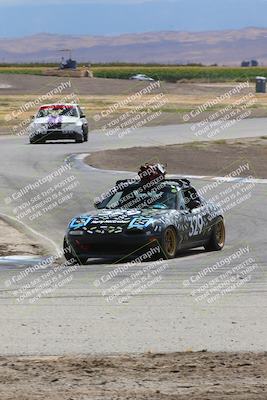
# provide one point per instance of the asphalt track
(166, 316)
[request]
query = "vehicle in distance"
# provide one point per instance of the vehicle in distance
(59, 122)
(142, 77)
(149, 211)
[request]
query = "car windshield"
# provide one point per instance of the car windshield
(57, 111)
(129, 198)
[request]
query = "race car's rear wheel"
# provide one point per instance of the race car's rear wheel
(70, 256)
(217, 239)
(169, 243)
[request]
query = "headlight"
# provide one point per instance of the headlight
(76, 233)
(39, 127)
(38, 124)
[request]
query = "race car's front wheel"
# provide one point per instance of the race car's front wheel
(169, 243)
(37, 141)
(70, 256)
(217, 239)
(85, 133)
(79, 137)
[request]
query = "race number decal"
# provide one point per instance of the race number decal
(196, 225)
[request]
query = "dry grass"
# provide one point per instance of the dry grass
(176, 106)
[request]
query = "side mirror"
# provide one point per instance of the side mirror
(97, 204)
(82, 116)
(194, 204)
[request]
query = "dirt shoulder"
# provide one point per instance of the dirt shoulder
(99, 96)
(197, 158)
(195, 376)
(14, 242)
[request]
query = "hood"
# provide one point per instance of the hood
(125, 219)
(51, 120)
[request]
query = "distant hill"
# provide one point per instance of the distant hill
(228, 47)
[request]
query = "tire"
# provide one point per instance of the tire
(217, 238)
(40, 141)
(169, 243)
(85, 133)
(79, 140)
(72, 257)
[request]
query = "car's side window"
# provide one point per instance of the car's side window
(81, 113)
(180, 201)
(79, 110)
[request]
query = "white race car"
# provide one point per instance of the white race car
(142, 77)
(59, 122)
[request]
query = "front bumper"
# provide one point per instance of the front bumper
(57, 135)
(105, 246)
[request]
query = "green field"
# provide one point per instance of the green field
(163, 73)
(174, 74)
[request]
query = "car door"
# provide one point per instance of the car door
(84, 121)
(183, 224)
(197, 215)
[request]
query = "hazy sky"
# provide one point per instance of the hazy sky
(110, 17)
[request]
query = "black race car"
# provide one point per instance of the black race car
(147, 211)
